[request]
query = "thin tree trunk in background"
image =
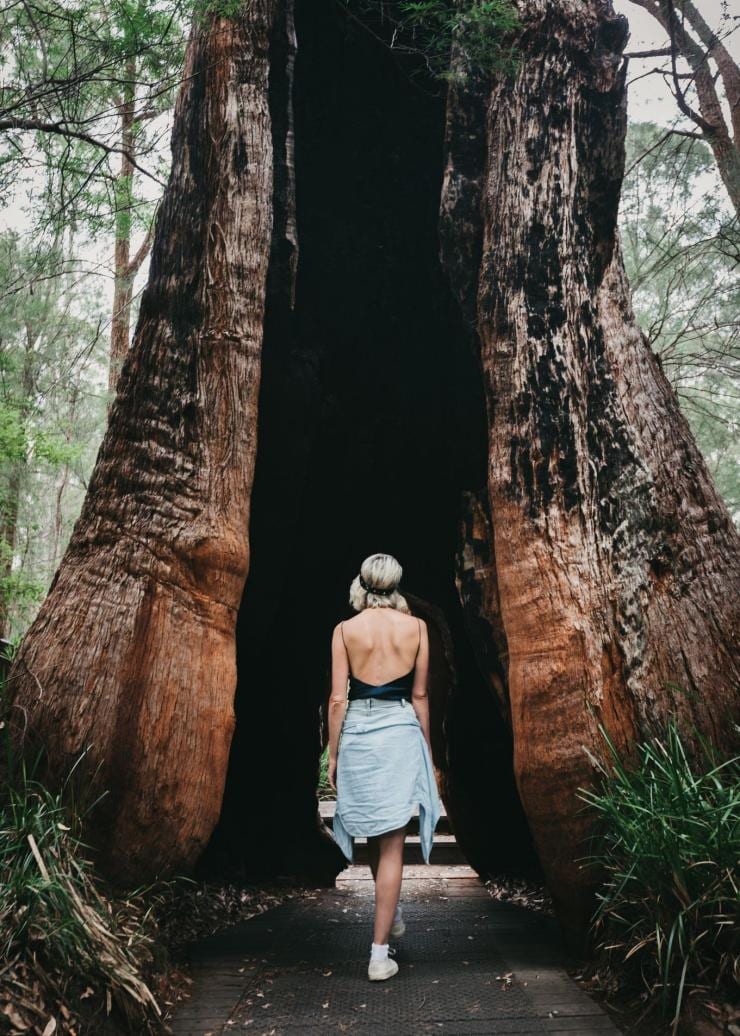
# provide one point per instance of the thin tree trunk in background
(62, 485)
(8, 534)
(677, 19)
(125, 266)
(132, 653)
(122, 280)
(616, 561)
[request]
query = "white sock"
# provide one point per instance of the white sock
(379, 951)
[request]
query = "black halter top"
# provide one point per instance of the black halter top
(393, 690)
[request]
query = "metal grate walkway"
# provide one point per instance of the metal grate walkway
(467, 965)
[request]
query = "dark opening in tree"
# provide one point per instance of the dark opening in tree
(371, 428)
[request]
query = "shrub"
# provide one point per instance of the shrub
(324, 789)
(668, 843)
(481, 29)
(63, 941)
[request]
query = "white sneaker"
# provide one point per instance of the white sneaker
(398, 928)
(380, 969)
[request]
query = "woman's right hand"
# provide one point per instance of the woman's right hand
(332, 772)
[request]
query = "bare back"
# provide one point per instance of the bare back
(382, 644)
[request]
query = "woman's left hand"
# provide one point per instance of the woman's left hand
(332, 774)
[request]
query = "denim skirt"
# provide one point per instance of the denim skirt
(384, 772)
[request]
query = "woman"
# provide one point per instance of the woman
(380, 758)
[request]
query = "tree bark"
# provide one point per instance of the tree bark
(477, 587)
(132, 654)
(616, 561)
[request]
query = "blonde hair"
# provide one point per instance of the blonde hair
(383, 572)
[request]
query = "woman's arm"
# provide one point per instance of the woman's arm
(419, 696)
(337, 698)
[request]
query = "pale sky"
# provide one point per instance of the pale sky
(649, 97)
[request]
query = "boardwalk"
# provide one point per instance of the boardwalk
(467, 965)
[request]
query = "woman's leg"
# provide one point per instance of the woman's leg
(388, 882)
(373, 853)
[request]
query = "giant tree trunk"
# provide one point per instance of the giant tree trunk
(132, 653)
(615, 561)
(597, 565)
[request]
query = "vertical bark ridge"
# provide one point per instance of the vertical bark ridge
(479, 749)
(460, 220)
(281, 280)
(477, 587)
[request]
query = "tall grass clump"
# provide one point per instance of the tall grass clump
(668, 844)
(324, 789)
(68, 952)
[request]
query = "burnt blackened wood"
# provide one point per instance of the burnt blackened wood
(460, 212)
(281, 281)
(477, 588)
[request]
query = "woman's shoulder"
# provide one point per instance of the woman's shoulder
(349, 625)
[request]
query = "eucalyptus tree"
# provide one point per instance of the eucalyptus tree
(596, 563)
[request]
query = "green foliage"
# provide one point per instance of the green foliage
(681, 245)
(218, 9)
(70, 948)
(324, 789)
(13, 438)
(65, 944)
(17, 588)
(669, 844)
(481, 30)
(75, 64)
(479, 27)
(52, 412)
